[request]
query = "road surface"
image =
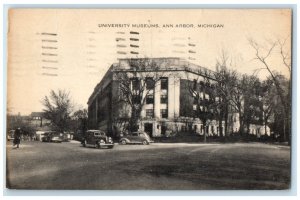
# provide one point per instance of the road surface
(159, 166)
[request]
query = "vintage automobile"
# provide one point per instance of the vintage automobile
(98, 139)
(136, 138)
(10, 135)
(52, 136)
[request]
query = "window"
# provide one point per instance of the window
(149, 99)
(201, 108)
(206, 96)
(194, 84)
(149, 113)
(195, 100)
(150, 83)
(164, 98)
(164, 83)
(194, 107)
(134, 134)
(164, 113)
(135, 84)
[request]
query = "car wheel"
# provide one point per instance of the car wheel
(123, 142)
(145, 142)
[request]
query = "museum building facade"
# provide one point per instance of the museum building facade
(169, 106)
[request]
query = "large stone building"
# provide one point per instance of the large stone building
(169, 106)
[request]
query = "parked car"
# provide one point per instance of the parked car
(136, 138)
(98, 139)
(67, 136)
(52, 136)
(10, 135)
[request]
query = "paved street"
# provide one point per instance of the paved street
(38, 165)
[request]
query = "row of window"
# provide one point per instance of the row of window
(163, 113)
(150, 84)
(150, 99)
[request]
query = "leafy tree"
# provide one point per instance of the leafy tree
(81, 116)
(58, 108)
(17, 121)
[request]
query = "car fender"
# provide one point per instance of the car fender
(99, 141)
(127, 140)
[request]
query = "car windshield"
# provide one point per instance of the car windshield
(97, 134)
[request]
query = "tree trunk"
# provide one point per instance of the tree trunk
(241, 129)
(135, 115)
(265, 128)
(248, 128)
(205, 134)
(284, 129)
(220, 127)
(226, 123)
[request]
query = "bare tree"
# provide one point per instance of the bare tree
(251, 92)
(137, 83)
(267, 105)
(226, 88)
(262, 55)
(205, 100)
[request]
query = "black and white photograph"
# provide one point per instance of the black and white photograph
(149, 99)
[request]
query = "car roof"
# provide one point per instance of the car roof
(50, 131)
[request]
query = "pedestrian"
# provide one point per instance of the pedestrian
(17, 137)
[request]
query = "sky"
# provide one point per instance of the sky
(71, 49)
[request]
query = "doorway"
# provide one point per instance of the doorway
(148, 127)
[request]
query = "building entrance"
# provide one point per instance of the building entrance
(148, 127)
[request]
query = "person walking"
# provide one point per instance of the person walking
(17, 137)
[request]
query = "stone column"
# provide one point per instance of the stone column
(156, 105)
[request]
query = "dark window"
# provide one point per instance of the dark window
(134, 134)
(150, 84)
(195, 84)
(149, 99)
(195, 100)
(149, 113)
(164, 113)
(135, 84)
(164, 83)
(164, 98)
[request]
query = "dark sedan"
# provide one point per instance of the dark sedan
(52, 136)
(136, 138)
